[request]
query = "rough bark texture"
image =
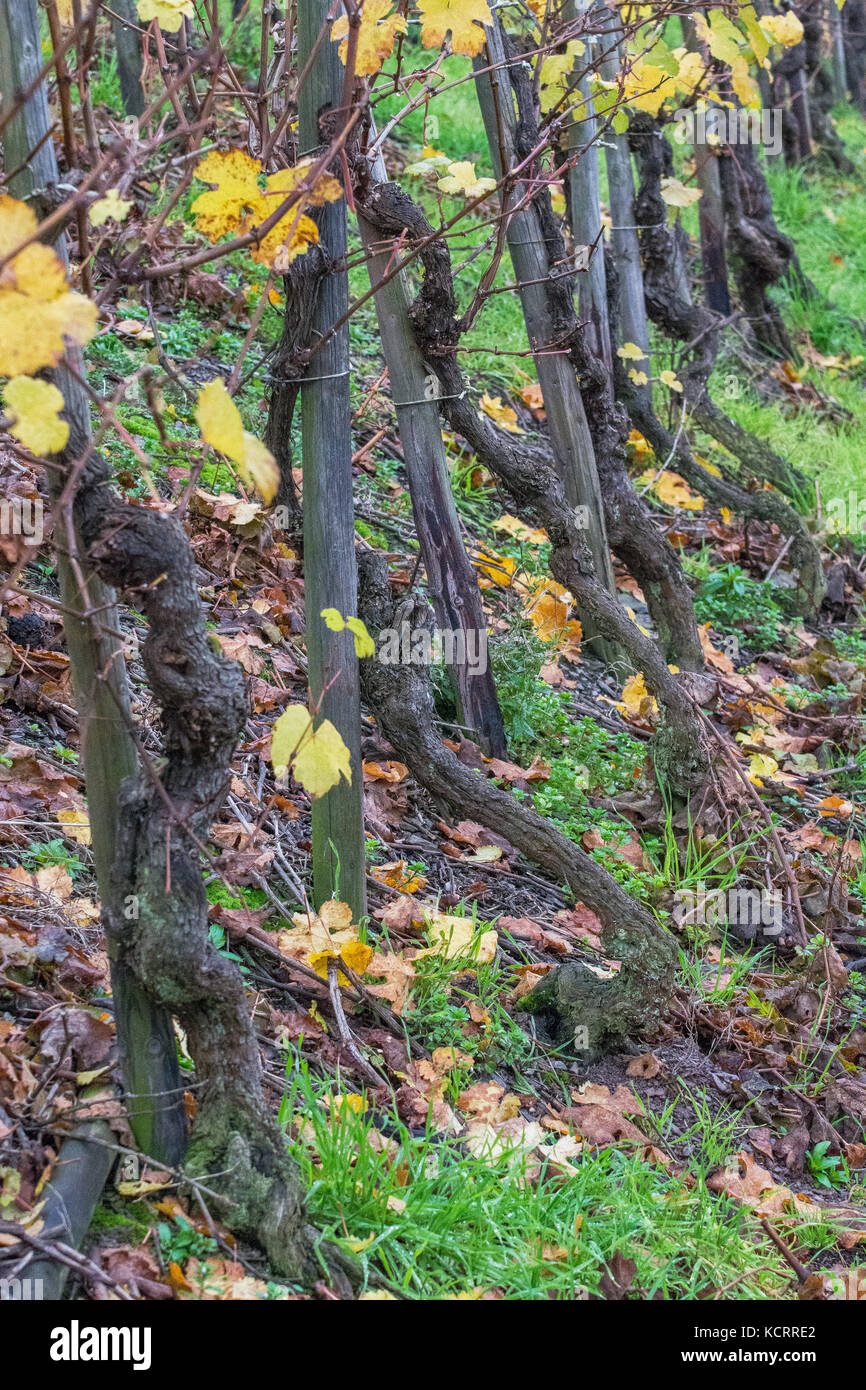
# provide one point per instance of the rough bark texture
(160, 825)
(632, 533)
(822, 82)
(288, 365)
(761, 256)
(696, 326)
(530, 478)
(854, 33)
(610, 1008)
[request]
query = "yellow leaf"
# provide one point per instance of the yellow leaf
(170, 13)
(348, 1101)
(379, 28)
(711, 469)
(723, 39)
(504, 415)
(318, 758)
(630, 352)
(354, 954)
(636, 699)
(782, 28)
(396, 875)
(258, 467)
(239, 202)
(463, 18)
(37, 309)
(673, 490)
(555, 73)
(676, 195)
(221, 210)
(835, 806)
(222, 427)
(513, 526)
(548, 613)
(219, 419)
(744, 84)
(327, 935)
(498, 568)
(462, 178)
(35, 407)
(761, 765)
(646, 86)
(456, 937)
(76, 825)
(669, 378)
(639, 378)
(110, 206)
(335, 622)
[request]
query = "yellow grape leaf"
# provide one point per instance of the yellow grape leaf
(35, 406)
(355, 954)
(630, 352)
(239, 202)
(669, 379)
(504, 415)
(335, 622)
(676, 195)
(294, 232)
(636, 700)
(761, 765)
(782, 28)
(513, 526)
(318, 758)
(463, 18)
(222, 427)
(646, 86)
(639, 378)
(379, 29)
(722, 38)
(37, 309)
(170, 13)
(324, 935)
(111, 205)
(744, 84)
(691, 72)
(350, 1100)
(462, 178)
(76, 825)
(397, 875)
(496, 568)
(555, 73)
(456, 937)
(758, 41)
(222, 209)
(637, 442)
(673, 490)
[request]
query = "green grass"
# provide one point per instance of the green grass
(824, 214)
(440, 1223)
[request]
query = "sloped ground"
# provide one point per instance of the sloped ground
(447, 1140)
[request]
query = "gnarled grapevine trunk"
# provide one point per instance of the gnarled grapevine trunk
(162, 820)
(537, 490)
(696, 326)
(608, 1007)
(631, 531)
